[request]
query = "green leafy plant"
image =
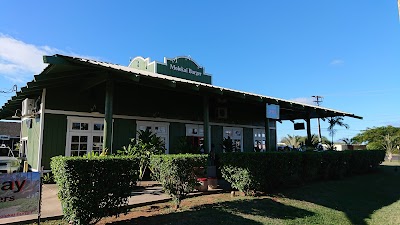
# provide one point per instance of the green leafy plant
(48, 178)
(175, 173)
(91, 188)
(143, 148)
(183, 146)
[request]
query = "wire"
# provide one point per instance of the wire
(14, 88)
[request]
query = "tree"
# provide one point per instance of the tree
(374, 137)
(349, 141)
(333, 122)
(390, 143)
(293, 141)
(314, 140)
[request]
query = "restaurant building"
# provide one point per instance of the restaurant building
(78, 105)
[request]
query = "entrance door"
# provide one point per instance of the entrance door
(159, 128)
(235, 133)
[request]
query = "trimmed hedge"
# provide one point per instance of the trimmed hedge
(249, 172)
(176, 173)
(91, 188)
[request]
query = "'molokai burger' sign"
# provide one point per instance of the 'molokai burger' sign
(181, 67)
(19, 194)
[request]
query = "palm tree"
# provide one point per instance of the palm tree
(293, 141)
(349, 141)
(335, 121)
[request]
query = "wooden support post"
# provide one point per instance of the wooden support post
(108, 117)
(267, 136)
(309, 141)
(206, 120)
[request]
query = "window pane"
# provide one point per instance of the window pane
(83, 146)
(76, 126)
(238, 133)
(74, 153)
(82, 153)
(75, 139)
(98, 126)
(96, 138)
(84, 138)
(84, 126)
(74, 146)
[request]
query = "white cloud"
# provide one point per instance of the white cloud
(336, 62)
(19, 61)
(304, 100)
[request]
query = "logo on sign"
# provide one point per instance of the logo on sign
(273, 112)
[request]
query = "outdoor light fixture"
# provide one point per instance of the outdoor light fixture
(16, 115)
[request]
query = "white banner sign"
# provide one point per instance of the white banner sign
(19, 194)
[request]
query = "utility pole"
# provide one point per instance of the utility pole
(318, 99)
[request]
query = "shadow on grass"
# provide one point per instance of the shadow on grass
(246, 211)
(357, 196)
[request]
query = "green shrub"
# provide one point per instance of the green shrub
(365, 161)
(249, 172)
(91, 188)
(176, 173)
(260, 171)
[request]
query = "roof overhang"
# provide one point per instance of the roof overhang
(66, 69)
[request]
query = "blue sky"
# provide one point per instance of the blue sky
(346, 51)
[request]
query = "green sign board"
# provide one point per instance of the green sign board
(181, 67)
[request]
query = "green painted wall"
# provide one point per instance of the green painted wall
(54, 137)
(31, 129)
(217, 137)
(248, 144)
(123, 131)
(176, 131)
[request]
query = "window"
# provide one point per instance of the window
(194, 130)
(84, 135)
(195, 137)
(234, 133)
(159, 128)
(259, 139)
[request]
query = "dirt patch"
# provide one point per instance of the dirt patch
(166, 208)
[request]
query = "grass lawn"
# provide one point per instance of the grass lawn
(365, 199)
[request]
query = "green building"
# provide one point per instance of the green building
(78, 105)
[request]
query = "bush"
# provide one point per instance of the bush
(91, 188)
(249, 172)
(176, 173)
(260, 171)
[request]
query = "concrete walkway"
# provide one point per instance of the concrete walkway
(150, 193)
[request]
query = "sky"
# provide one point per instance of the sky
(346, 51)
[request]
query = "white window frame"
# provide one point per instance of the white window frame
(153, 125)
(259, 135)
(234, 135)
(89, 133)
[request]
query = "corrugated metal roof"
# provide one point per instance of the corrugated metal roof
(161, 76)
(13, 102)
